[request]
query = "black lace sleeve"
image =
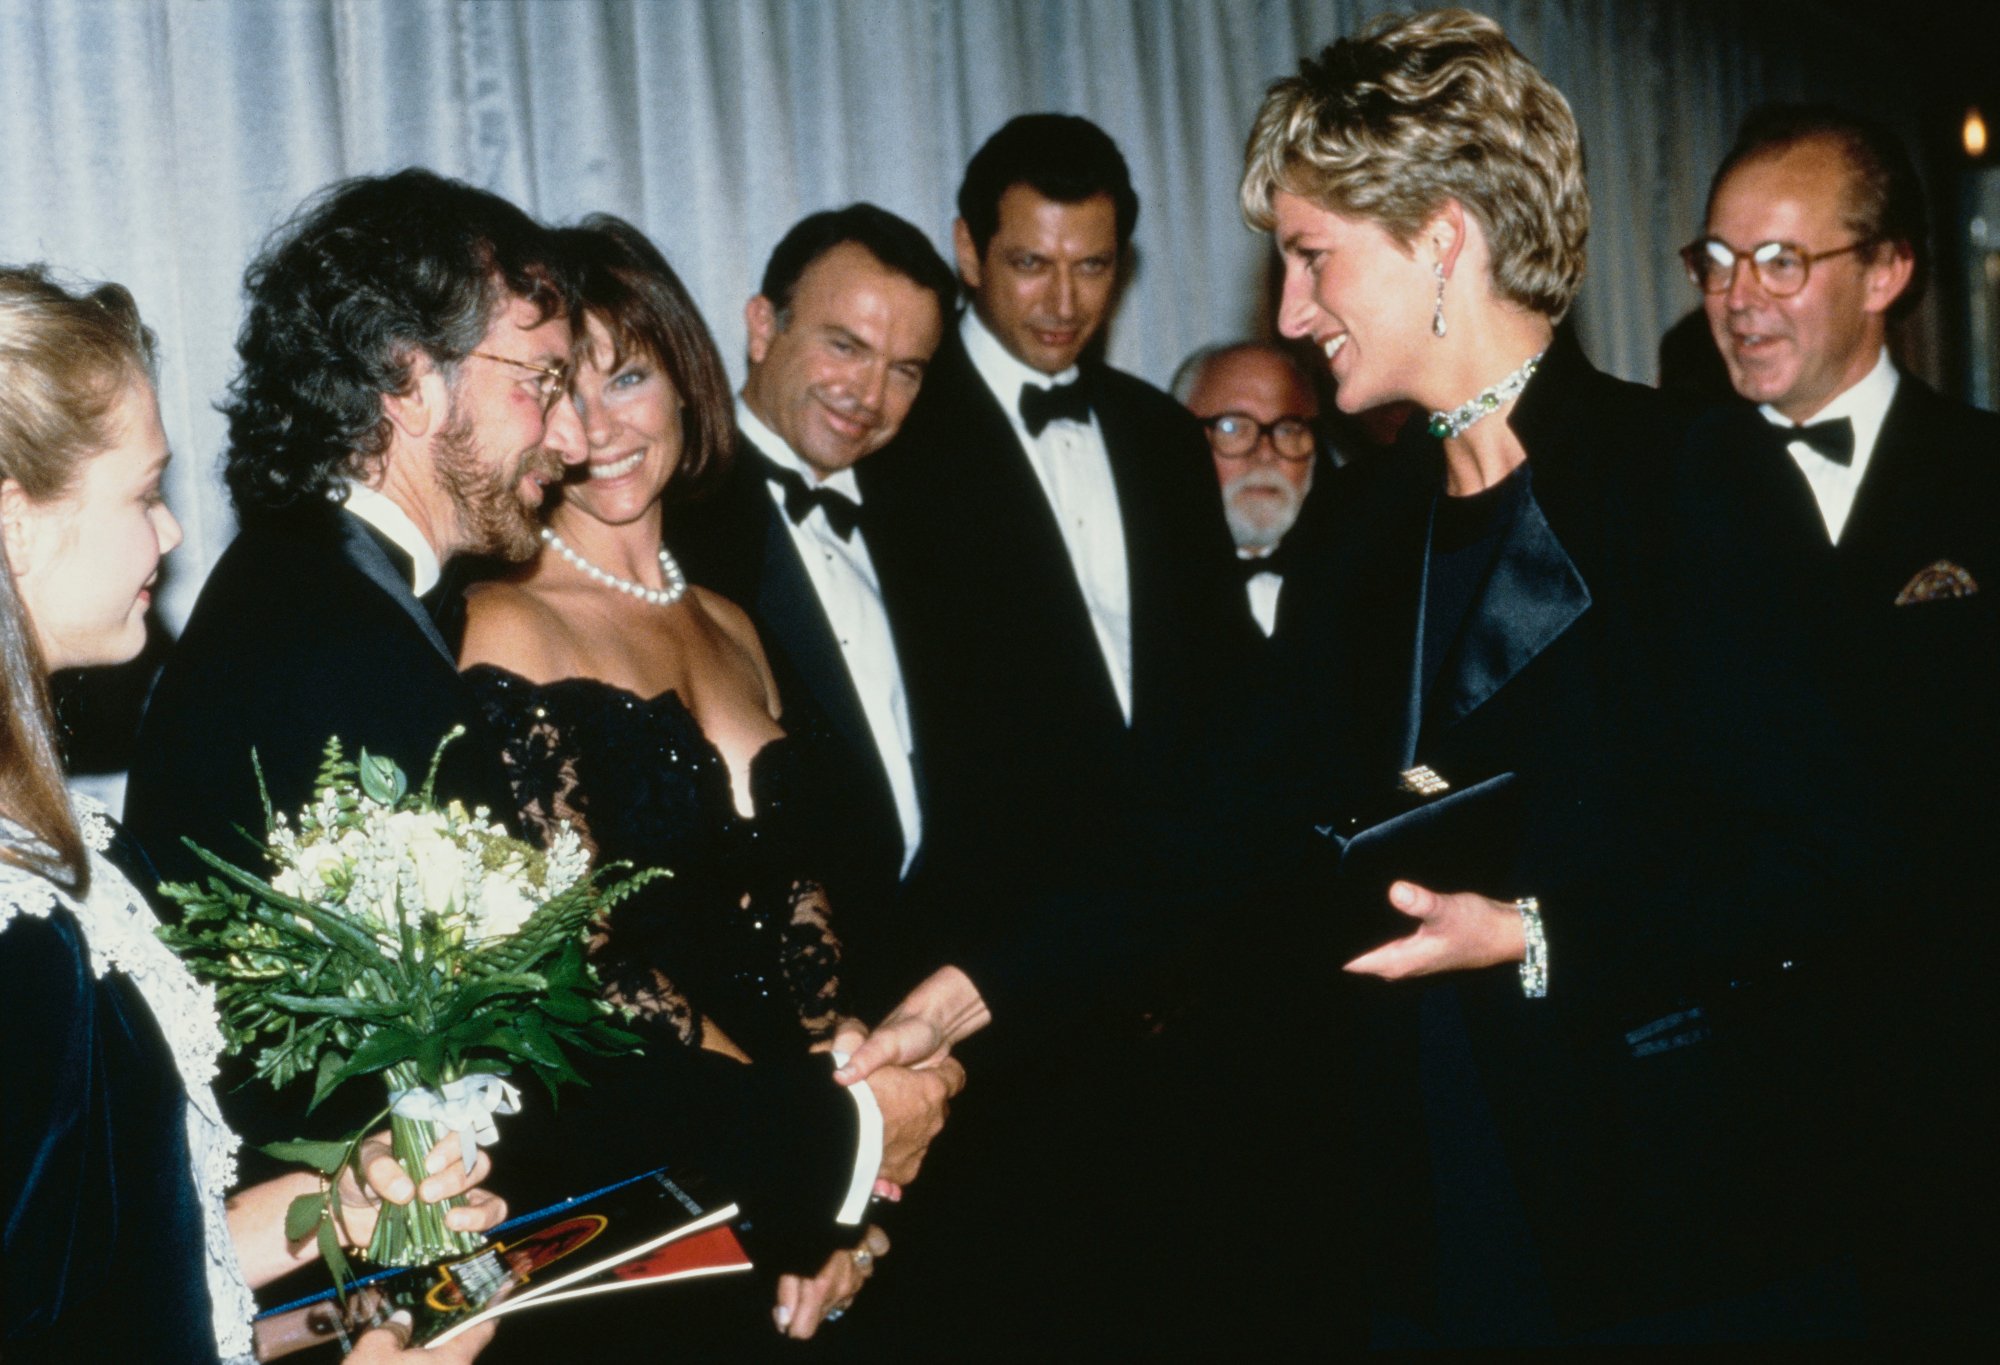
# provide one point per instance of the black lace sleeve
(739, 932)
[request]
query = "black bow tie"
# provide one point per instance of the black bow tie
(842, 512)
(1833, 439)
(1040, 406)
(1275, 562)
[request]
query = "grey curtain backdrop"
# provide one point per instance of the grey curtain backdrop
(157, 142)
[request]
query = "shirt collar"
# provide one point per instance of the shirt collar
(382, 512)
(998, 366)
(1865, 403)
(781, 454)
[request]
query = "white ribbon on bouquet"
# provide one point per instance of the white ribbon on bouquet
(466, 1106)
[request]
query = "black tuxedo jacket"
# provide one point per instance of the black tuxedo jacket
(1643, 658)
(308, 628)
(1926, 699)
(735, 541)
(1931, 496)
(1306, 540)
(1030, 766)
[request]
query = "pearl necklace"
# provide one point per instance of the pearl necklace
(670, 570)
(1448, 424)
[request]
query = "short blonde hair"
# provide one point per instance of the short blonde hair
(1419, 109)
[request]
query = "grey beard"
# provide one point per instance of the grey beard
(1260, 525)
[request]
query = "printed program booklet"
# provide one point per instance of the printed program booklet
(661, 1226)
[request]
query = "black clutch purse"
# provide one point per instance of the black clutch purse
(1429, 831)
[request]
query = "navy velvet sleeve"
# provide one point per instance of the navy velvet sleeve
(103, 1237)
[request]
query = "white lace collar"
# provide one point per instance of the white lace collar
(120, 931)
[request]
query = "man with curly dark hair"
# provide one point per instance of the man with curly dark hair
(405, 348)
(403, 400)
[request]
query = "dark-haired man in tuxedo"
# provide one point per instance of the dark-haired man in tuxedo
(1074, 636)
(1050, 537)
(841, 331)
(354, 485)
(1815, 239)
(403, 398)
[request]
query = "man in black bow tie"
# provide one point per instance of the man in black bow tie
(1075, 637)
(841, 331)
(1816, 238)
(1258, 410)
(1048, 527)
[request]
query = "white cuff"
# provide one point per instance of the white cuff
(867, 1150)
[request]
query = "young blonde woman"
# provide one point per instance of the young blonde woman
(122, 1238)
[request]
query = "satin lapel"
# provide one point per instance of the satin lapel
(360, 550)
(1533, 594)
(1004, 493)
(1410, 722)
(1376, 618)
(794, 624)
(1888, 486)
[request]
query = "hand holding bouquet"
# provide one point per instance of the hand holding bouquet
(399, 936)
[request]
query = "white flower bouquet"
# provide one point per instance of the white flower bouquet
(402, 937)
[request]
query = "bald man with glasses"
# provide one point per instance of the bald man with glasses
(1258, 410)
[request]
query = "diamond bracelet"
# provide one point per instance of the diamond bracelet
(1535, 957)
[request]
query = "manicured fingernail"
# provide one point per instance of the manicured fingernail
(782, 1315)
(1403, 895)
(401, 1188)
(439, 1159)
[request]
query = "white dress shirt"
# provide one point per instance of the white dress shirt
(1865, 405)
(1263, 589)
(850, 593)
(1074, 466)
(381, 512)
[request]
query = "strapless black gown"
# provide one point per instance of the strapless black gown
(739, 932)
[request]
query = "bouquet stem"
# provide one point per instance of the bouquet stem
(414, 1233)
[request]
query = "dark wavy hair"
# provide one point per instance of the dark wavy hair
(66, 358)
(369, 274)
(625, 283)
(1058, 156)
(1885, 197)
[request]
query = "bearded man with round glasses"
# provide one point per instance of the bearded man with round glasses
(1258, 411)
(1815, 240)
(405, 351)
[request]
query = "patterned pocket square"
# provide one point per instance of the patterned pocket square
(1941, 580)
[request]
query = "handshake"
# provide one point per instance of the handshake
(907, 1062)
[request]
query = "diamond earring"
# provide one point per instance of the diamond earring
(1437, 315)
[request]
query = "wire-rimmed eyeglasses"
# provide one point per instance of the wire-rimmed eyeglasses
(554, 381)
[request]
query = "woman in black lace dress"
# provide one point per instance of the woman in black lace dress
(642, 710)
